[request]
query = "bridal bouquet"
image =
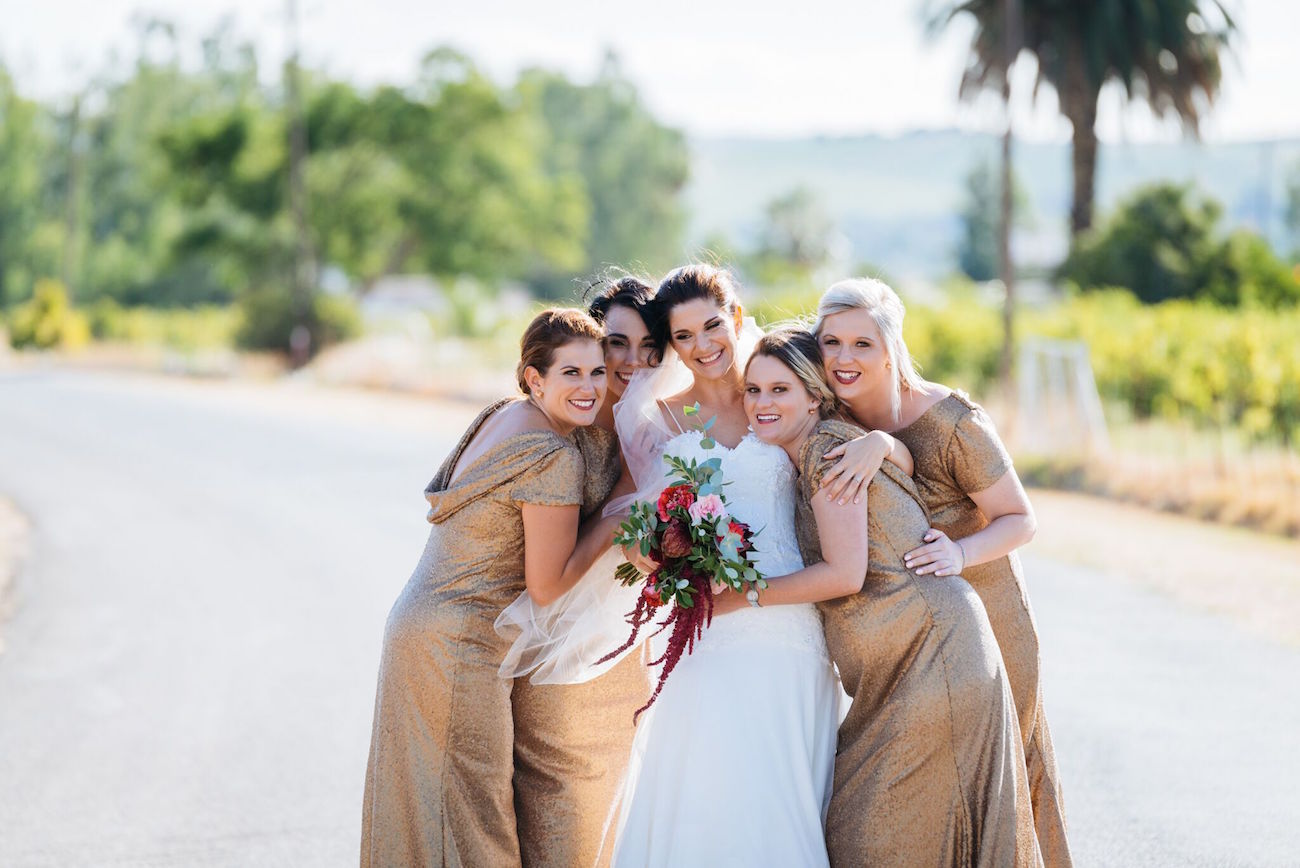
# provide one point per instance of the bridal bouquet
(698, 548)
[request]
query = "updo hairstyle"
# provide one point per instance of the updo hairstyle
(550, 330)
(629, 292)
(688, 283)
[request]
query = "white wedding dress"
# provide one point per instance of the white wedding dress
(732, 765)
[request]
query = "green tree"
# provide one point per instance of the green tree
(476, 199)
(1163, 243)
(1166, 53)
(1293, 209)
(632, 168)
(977, 251)
(22, 145)
(797, 229)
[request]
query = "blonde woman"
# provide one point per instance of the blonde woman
(979, 511)
(927, 767)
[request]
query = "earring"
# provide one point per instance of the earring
(540, 393)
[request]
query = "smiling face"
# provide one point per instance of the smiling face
(854, 353)
(779, 407)
(627, 346)
(571, 390)
(704, 335)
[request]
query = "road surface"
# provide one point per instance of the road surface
(190, 672)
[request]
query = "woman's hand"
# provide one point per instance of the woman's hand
(943, 556)
(644, 563)
(727, 601)
(859, 460)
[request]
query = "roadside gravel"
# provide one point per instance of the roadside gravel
(13, 549)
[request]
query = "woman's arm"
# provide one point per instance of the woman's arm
(859, 461)
(556, 553)
(1011, 525)
(842, 531)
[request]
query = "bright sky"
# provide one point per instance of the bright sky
(713, 68)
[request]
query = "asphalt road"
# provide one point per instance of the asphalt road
(190, 673)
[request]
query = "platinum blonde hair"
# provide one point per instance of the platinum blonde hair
(887, 311)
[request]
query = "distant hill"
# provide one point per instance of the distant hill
(896, 198)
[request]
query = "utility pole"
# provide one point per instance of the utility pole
(304, 277)
(1010, 48)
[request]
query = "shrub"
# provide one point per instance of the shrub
(48, 320)
(1164, 245)
(267, 320)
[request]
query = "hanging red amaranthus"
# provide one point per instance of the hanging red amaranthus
(697, 546)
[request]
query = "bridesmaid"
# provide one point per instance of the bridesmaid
(978, 510)
(572, 741)
(505, 513)
(621, 307)
(927, 771)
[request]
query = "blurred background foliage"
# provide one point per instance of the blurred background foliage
(168, 187)
(154, 207)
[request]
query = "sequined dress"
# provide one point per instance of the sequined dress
(732, 764)
(572, 741)
(957, 451)
(928, 769)
(439, 778)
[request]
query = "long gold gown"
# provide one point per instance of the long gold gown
(442, 753)
(572, 741)
(957, 451)
(928, 769)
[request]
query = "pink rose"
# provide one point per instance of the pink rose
(708, 506)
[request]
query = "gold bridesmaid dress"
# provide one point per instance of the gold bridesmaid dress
(442, 754)
(572, 741)
(957, 450)
(928, 770)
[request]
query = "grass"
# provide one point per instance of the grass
(1216, 476)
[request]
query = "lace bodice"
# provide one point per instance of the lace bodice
(759, 485)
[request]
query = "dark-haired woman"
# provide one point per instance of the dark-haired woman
(621, 307)
(979, 511)
(505, 509)
(572, 741)
(928, 768)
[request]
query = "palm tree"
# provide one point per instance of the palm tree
(1164, 52)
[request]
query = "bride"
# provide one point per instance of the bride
(732, 765)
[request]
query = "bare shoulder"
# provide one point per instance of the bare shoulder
(673, 407)
(916, 403)
(516, 418)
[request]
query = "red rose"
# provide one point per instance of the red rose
(651, 594)
(674, 496)
(676, 540)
